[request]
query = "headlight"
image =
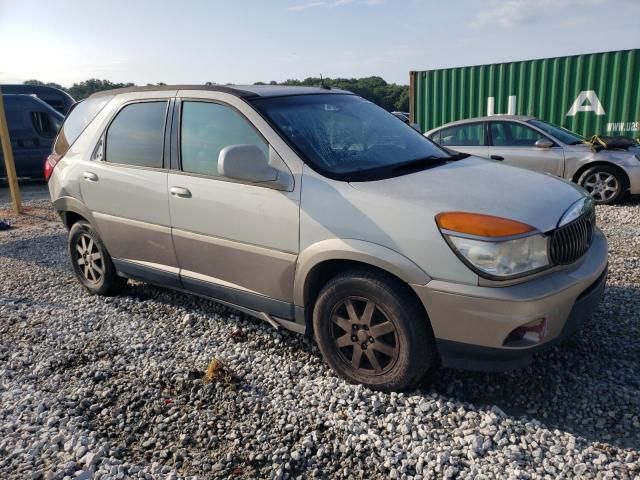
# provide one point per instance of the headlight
(495, 247)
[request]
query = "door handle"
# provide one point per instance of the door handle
(90, 176)
(497, 157)
(180, 192)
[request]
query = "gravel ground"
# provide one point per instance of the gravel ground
(115, 387)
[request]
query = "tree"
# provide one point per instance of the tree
(402, 103)
(389, 96)
(50, 84)
(82, 90)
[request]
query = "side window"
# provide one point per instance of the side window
(77, 120)
(136, 135)
(206, 129)
(511, 134)
(44, 124)
(435, 137)
(468, 135)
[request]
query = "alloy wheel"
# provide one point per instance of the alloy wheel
(602, 186)
(364, 335)
(89, 259)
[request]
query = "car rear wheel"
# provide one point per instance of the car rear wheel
(91, 262)
(371, 330)
(605, 184)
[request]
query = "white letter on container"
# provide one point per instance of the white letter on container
(593, 106)
(511, 107)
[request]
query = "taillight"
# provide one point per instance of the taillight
(49, 164)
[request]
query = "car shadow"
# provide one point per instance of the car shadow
(587, 385)
(629, 200)
(23, 250)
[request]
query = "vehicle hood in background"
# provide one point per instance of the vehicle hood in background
(621, 157)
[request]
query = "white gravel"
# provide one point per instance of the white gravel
(95, 387)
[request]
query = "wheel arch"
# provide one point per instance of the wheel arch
(349, 253)
(323, 260)
(72, 210)
(602, 163)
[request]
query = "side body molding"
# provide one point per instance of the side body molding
(355, 250)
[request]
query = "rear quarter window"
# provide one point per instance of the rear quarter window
(77, 120)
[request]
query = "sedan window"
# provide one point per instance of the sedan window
(467, 135)
(561, 133)
(511, 134)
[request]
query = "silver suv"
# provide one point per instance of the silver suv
(530, 143)
(319, 212)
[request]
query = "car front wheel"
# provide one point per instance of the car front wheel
(605, 184)
(372, 330)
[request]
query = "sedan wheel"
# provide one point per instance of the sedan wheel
(602, 186)
(606, 184)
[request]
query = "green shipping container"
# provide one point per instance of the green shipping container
(596, 93)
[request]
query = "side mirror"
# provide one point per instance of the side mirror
(544, 143)
(416, 127)
(246, 162)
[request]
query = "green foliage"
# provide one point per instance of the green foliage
(82, 90)
(389, 96)
(39, 83)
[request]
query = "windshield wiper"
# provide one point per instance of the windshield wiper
(424, 162)
(577, 142)
(454, 157)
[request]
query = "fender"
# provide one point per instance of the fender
(70, 204)
(356, 250)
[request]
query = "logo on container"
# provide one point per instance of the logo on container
(587, 101)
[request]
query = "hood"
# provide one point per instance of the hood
(483, 186)
(630, 156)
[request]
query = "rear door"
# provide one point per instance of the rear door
(467, 138)
(125, 187)
(514, 144)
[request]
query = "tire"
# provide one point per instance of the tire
(362, 314)
(91, 261)
(606, 185)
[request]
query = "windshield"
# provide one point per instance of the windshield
(565, 136)
(346, 137)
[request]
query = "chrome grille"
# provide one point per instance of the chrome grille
(571, 241)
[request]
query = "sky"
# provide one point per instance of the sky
(245, 41)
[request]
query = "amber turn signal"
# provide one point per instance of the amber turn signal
(481, 225)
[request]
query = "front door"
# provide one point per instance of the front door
(237, 242)
(125, 188)
(514, 144)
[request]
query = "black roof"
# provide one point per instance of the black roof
(243, 91)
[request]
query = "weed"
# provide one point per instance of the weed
(218, 372)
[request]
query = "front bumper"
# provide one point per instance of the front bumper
(471, 323)
(633, 172)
